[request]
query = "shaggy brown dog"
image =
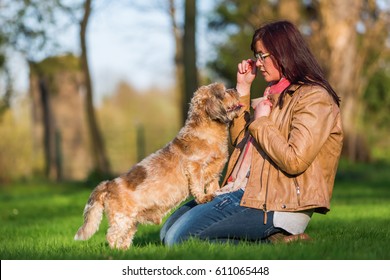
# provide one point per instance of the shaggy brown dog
(190, 164)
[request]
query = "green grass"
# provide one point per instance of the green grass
(39, 219)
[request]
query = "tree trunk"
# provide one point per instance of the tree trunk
(178, 59)
(339, 20)
(52, 164)
(97, 145)
(189, 56)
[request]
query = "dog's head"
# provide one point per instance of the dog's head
(216, 102)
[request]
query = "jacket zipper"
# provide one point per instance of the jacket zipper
(298, 190)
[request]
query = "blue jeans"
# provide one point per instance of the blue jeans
(220, 220)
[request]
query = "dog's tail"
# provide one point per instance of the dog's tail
(93, 212)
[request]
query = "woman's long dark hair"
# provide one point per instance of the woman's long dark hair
(291, 52)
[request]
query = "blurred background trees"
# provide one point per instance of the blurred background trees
(31, 28)
(58, 131)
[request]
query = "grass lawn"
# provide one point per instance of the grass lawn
(39, 219)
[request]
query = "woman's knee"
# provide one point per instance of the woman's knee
(174, 235)
(174, 217)
(190, 224)
(169, 239)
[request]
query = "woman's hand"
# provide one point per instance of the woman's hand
(263, 108)
(262, 105)
(246, 73)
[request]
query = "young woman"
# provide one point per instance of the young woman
(283, 167)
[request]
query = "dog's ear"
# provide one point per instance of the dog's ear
(212, 107)
(218, 90)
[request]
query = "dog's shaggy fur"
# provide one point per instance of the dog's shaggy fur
(190, 164)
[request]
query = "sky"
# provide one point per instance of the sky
(125, 44)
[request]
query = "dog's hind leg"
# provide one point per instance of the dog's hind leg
(127, 238)
(121, 231)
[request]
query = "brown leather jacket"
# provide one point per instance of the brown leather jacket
(297, 151)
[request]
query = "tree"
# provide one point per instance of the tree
(352, 59)
(189, 56)
(27, 28)
(31, 28)
(178, 56)
(97, 145)
(186, 71)
(58, 118)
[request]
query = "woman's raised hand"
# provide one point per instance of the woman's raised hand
(246, 73)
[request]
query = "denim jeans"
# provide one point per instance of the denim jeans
(220, 220)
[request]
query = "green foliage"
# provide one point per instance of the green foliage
(56, 64)
(39, 220)
(377, 106)
(31, 27)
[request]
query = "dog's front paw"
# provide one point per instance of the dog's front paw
(205, 198)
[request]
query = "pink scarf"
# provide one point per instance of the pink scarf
(279, 87)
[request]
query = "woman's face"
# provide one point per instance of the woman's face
(267, 66)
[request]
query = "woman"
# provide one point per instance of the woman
(285, 157)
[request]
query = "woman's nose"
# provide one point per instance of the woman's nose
(259, 63)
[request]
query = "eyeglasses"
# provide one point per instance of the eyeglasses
(262, 56)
